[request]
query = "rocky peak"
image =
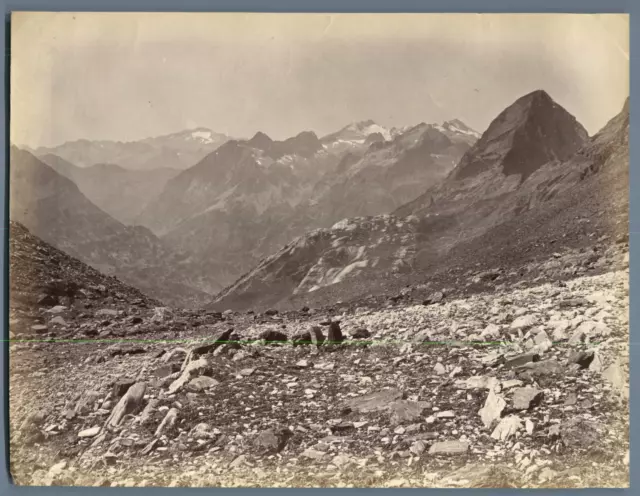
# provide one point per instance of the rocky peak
(305, 144)
(260, 141)
(534, 130)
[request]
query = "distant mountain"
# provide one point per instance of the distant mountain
(122, 193)
(172, 151)
(533, 172)
(389, 173)
(52, 207)
(248, 198)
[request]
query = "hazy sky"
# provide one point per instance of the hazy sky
(131, 76)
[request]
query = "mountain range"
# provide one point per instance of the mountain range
(310, 220)
(534, 158)
(249, 197)
(172, 151)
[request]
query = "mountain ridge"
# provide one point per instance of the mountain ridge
(420, 234)
(54, 209)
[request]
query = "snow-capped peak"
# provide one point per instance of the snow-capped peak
(366, 128)
(201, 135)
(457, 126)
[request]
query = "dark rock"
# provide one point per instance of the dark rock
(166, 370)
(120, 350)
(48, 301)
(361, 333)
(218, 340)
(526, 398)
(317, 337)
(342, 427)
(520, 360)
(436, 297)
(136, 320)
(40, 329)
(121, 387)
(582, 358)
(301, 338)
(271, 312)
(335, 334)
(271, 336)
(272, 441)
(304, 309)
(539, 370)
(573, 302)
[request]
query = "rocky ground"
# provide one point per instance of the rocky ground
(503, 386)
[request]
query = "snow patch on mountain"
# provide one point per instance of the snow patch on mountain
(202, 136)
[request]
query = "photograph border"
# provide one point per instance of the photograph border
(326, 6)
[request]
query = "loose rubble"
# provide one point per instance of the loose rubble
(186, 398)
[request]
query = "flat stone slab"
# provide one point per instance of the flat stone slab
(449, 447)
(375, 402)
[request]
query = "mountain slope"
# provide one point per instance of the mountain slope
(39, 272)
(249, 198)
(52, 207)
(122, 193)
(461, 222)
(173, 151)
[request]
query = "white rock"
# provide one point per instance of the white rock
(528, 425)
(507, 428)
(492, 408)
(523, 322)
(93, 431)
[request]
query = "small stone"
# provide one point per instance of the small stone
(526, 398)
(582, 358)
(92, 432)
(436, 297)
(313, 454)
(272, 441)
(520, 360)
(360, 333)
(524, 322)
(449, 447)
(201, 383)
(571, 399)
(418, 447)
(507, 428)
(445, 414)
(439, 369)
(492, 408)
(528, 425)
